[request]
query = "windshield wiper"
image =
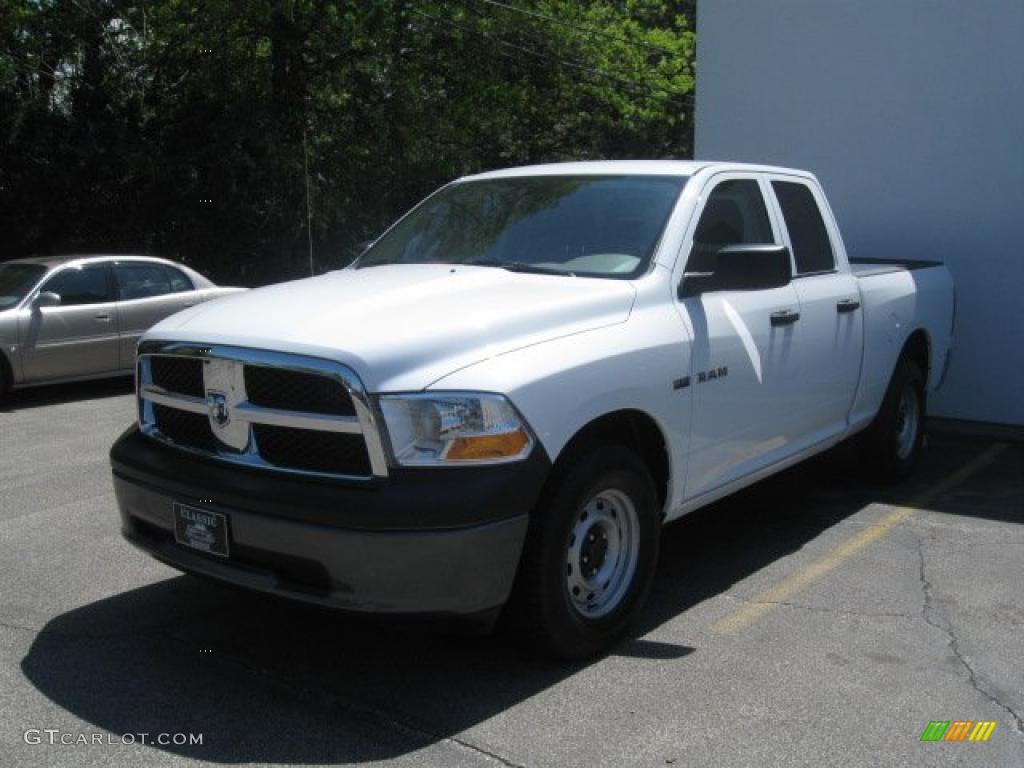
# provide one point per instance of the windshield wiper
(521, 266)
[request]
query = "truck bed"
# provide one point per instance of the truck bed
(866, 267)
(894, 295)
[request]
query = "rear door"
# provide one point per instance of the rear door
(829, 337)
(79, 337)
(147, 292)
(745, 367)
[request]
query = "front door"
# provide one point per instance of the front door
(80, 336)
(745, 365)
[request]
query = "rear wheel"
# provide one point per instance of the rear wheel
(590, 554)
(891, 447)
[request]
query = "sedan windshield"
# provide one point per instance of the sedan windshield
(593, 226)
(16, 280)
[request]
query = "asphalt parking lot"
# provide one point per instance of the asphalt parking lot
(812, 620)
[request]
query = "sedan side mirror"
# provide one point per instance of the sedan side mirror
(46, 299)
(742, 268)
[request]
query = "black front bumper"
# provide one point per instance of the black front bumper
(437, 542)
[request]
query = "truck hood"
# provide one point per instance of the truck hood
(403, 327)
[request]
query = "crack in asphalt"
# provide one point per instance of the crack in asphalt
(419, 732)
(19, 627)
(931, 617)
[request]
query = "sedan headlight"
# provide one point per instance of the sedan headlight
(454, 428)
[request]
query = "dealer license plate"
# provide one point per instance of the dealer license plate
(201, 529)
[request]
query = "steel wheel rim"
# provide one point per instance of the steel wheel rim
(908, 421)
(602, 553)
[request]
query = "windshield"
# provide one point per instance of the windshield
(594, 226)
(16, 280)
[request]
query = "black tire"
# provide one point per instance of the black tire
(5, 378)
(542, 610)
(888, 452)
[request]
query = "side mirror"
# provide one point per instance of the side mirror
(46, 299)
(742, 268)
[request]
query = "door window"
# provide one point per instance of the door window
(735, 214)
(80, 285)
(807, 233)
(141, 281)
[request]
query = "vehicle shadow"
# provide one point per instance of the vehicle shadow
(269, 681)
(55, 394)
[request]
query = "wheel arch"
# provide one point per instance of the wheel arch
(917, 349)
(635, 429)
(6, 373)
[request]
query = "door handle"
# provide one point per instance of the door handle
(785, 317)
(847, 305)
(103, 317)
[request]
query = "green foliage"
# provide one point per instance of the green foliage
(119, 120)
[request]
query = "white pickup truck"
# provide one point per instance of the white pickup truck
(498, 405)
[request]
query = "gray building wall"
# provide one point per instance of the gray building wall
(911, 113)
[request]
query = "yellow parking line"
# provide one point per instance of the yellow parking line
(763, 603)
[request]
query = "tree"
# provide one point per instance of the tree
(183, 129)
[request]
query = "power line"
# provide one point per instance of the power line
(577, 27)
(633, 85)
(538, 64)
(578, 64)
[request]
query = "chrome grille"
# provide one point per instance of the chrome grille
(183, 375)
(282, 388)
(307, 449)
(184, 428)
(275, 411)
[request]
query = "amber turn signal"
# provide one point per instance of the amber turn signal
(505, 445)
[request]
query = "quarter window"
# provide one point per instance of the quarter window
(735, 214)
(812, 249)
(80, 285)
(141, 281)
(179, 282)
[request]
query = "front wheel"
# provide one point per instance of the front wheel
(590, 554)
(891, 447)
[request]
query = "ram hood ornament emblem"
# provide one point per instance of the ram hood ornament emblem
(217, 402)
(224, 382)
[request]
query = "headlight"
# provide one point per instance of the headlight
(454, 428)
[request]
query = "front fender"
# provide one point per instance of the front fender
(563, 385)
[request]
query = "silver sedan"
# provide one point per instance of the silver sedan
(67, 318)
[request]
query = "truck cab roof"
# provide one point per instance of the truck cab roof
(629, 167)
